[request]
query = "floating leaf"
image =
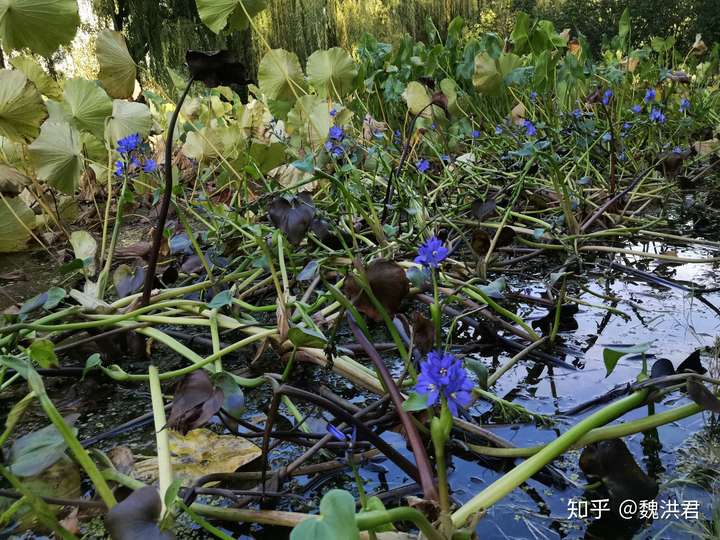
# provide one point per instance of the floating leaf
(16, 219)
(280, 76)
(195, 401)
(293, 217)
(234, 399)
(117, 68)
(34, 72)
(495, 288)
(215, 68)
(33, 453)
(336, 521)
(42, 352)
(22, 109)
(57, 156)
(332, 72)
(613, 353)
(127, 118)
(137, 517)
(388, 283)
(218, 14)
(40, 25)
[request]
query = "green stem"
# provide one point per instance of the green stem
(511, 480)
(103, 277)
(165, 475)
(376, 518)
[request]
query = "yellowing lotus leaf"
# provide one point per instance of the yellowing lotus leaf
(127, 118)
(332, 72)
(16, 220)
(280, 76)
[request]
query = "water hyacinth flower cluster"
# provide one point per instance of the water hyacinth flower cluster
(650, 95)
(684, 105)
(657, 116)
(128, 148)
(530, 129)
(607, 96)
(432, 253)
(423, 166)
(442, 375)
(334, 144)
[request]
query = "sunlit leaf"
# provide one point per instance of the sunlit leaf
(16, 219)
(613, 353)
(87, 105)
(415, 402)
(42, 352)
(57, 156)
(280, 76)
(117, 68)
(417, 98)
(332, 72)
(217, 14)
(127, 118)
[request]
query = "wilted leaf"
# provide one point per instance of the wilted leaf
(195, 401)
(85, 248)
(137, 517)
(417, 98)
(483, 209)
(506, 237)
(128, 280)
(699, 393)
(293, 217)
(36, 451)
(117, 68)
(12, 181)
(388, 283)
(692, 364)
(423, 333)
(215, 68)
(614, 465)
(199, 453)
(127, 118)
(480, 241)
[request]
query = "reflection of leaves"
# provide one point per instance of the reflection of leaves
(137, 516)
(293, 217)
(388, 283)
(36, 451)
(612, 462)
(336, 521)
(699, 393)
(195, 402)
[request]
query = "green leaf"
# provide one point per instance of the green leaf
(221, 299)
(306, 337)
(495, 288)
(93, 361)
(127, 118)
(22, 109)
(16, 219)
(280, 76)
(487, 78)
(33, 453)
(217, 14)
(415, 402)
(117, 68)
(55, 295)
(480, 370)
(310, 118)
(40, 25)
(417, 98)
(613, 353)
(57, 156)
(624, 29)
(172, 492)
(336, 521)
(374, 504)
(42, 352)
(521, 32)
(45, 83)
(87, 106)
(332, 72)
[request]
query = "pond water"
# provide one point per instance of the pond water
(675, 321)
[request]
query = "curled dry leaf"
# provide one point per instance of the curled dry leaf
(388, 283)
(423, 332)
(195, 402)
(293, 217)
(517, 114)
(372, 127)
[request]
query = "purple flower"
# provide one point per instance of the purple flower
(475, 133)
(577, 114)
(684, 104)
(134, 161)
(649, 95)
(443, 375)
(128, 144)
(637, 108)
(423, 165)
(678, 150)
(119, 168)
(498, 130)
(433, 126)
(530, 129)
(607, 136)
(336, 133)
(336, 433)
(607, 96)
(533, 96)
(150, 166)
(333, 112)
(445, 158)
(337, 151)
(432, 253)
(656, 115)
(626, 126)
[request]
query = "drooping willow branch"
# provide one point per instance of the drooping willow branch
(167, 195)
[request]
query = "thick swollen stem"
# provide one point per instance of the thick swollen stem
(511, 480)
(167, 195)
